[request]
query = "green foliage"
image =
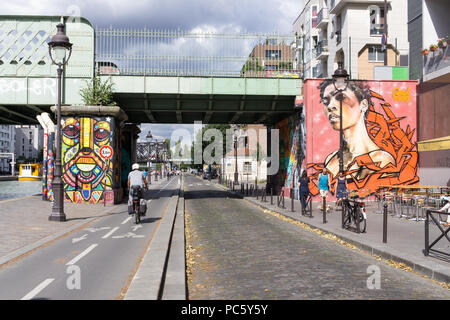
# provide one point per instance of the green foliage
(223, 129)
(252, 65)
(98, 93)
(285, 65)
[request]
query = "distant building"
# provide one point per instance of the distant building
(351, 31)
(29, 141)
(7, 134)
(249, 166)
(274, 57)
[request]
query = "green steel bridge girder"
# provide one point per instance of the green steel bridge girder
(158, 99)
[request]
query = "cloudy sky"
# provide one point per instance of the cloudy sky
(266, 16)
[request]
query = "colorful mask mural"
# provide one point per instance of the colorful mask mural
(378, 121)
(87, 177)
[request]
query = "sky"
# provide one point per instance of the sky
(234, 16)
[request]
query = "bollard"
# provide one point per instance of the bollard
(324, 209)
(385, 206)
(426, 251)
(271, 195)
(292, 201)
(344, 211)
(246, 192)
(256, 191)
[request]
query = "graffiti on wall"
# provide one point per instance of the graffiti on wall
(87, 177)
(379, 144)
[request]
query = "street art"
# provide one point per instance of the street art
(87, 177)
(379, 135)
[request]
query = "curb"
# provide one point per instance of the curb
(149, 282)
(432, 273)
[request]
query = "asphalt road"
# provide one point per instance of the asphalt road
(241, 252)
(96, 262)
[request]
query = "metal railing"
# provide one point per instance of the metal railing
(323, 14)
(322, 46)
(189, 53)
(444, 233)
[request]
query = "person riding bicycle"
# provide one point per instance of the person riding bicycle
(136, 179)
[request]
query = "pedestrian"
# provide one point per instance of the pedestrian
(303, 183)
(446, 208)
(341, 189)
(323, 186)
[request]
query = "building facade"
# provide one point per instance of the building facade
(29, 141)
(429, 23)
(351, 31)
(7, 134)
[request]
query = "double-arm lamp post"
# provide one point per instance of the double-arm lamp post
(58, 48)
(149, 137)
(340, 82)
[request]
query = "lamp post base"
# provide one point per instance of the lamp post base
(57, 217)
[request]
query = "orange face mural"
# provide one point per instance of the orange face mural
(379, 139)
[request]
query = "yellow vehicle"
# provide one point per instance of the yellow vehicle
(30, 172)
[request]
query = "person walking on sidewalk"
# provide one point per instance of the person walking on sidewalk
(446, 208)
(303, 183)
(323, 185)
(341, 189)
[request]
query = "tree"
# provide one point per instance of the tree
(252, 64)
(199, 138)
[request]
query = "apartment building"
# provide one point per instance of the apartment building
(427, 22)
(29, 141)
(351, 31)
(7, 134)
(272, 56)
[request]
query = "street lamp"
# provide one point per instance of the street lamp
(236, 174)
(340, 82)
(149, 137)
(58, 48)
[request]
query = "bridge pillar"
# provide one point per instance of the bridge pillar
(91, 174)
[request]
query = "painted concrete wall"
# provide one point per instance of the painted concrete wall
(88, 178)
(390, 158)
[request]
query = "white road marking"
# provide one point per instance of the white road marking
(110, 233)
(126, 220)
(74, 240)
(134, 228)
(128, 235)
(38, 289)
(81, 255)
(97, 229)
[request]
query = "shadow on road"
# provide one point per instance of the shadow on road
(209, 194)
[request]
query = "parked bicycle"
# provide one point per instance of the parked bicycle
(354, 211)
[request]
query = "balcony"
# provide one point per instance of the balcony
(436, 65)
(321, 50)
(323, 18)
(337, 5)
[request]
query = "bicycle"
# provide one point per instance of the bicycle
(353, 213)
(136, 193)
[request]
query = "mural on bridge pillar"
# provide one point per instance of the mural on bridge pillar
(87, 177)
(379, 121)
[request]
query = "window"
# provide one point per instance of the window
(376, 54)
(273, 54)
(376, 20)
(271, 67)
(247, 167)
(314, 17)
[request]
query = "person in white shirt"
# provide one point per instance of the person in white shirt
(446, 208)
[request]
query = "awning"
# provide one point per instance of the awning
(442, 143)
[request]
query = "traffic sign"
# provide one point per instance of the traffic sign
(106, 152)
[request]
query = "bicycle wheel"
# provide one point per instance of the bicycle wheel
(348, 216)
(362, 221)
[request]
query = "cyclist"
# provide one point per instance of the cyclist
(136, 179)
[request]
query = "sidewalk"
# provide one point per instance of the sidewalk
(405, 238)
(24, 224)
